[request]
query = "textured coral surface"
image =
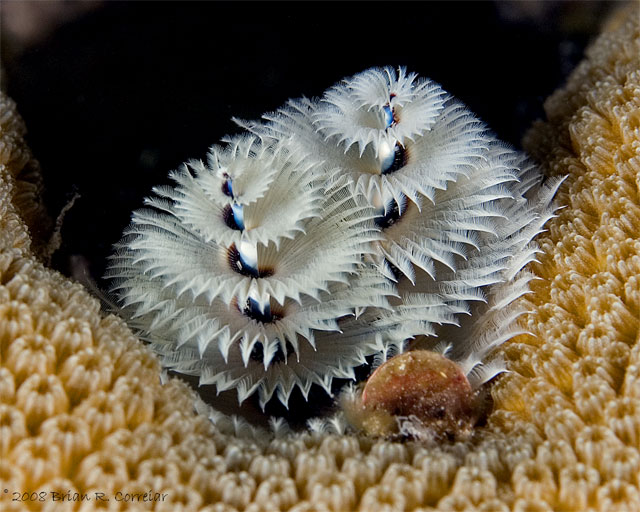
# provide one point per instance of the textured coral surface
(83, 407)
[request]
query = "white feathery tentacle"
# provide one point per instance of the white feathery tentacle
(378, 108)
(336, 230)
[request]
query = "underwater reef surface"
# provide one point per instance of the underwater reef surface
(86, 408)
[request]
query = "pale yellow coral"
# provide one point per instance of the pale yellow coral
(17, 160)
(83, 407)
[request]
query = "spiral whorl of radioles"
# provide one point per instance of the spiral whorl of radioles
(336, 229)
(245, 259)
(456, 208)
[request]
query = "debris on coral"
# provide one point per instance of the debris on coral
(420, 395)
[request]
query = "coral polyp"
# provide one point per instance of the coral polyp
(330, 236)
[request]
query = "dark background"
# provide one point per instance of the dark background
(117, 94)
(123, 94)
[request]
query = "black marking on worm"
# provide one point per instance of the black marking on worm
(233, 257)
(227, 215)
(392, 214)
(226, 188)
(400, 159)
(257, 354)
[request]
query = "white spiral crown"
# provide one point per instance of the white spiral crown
(338, 229)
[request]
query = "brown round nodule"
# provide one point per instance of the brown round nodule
(417, 394)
